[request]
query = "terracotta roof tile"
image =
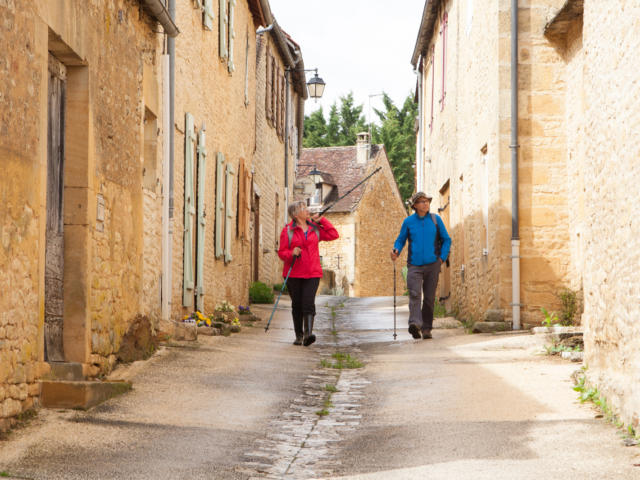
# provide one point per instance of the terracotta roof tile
(340, 163)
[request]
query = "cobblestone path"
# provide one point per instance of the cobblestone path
(302, 443)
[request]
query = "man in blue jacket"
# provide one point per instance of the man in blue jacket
(429, 245)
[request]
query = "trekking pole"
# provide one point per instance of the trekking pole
(281, 290)
(394, 300)
(356, 186)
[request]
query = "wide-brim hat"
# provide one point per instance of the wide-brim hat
(417, 195)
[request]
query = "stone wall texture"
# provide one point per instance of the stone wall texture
(268, 165)
(611, 36)
(468, 159)
(103, 276)
(215, 98)
(578, 169)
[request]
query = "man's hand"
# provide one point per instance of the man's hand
(394, 254)
(296, 251)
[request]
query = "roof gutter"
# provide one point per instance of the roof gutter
(429, 16)
(158, 11)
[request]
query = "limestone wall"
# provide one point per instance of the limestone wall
(379, 216)
(339, 255)
(611, 250)
(215, 97)
(103, 150)
(269, 168)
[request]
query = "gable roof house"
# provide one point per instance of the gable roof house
(368, 219)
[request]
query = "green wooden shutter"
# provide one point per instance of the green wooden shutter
(229, 213)
(208, 16)
(189, 212)
(232, 35)
(222, 27)
(219, 204)
(200, 227)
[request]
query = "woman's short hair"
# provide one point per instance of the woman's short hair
(295, 207)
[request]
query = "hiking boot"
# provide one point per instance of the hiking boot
(414, 330)
(308, 337)
(298, 340)
(426, 335)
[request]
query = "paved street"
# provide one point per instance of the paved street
(245, 406)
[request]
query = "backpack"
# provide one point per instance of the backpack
(439, 241)
(290, 231)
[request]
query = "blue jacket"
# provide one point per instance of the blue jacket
(421, 232)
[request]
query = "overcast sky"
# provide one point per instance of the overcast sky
(364, 46)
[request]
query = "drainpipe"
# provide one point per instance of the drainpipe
(166, 244)
(419, 156)
(515, 234)
(171, 47)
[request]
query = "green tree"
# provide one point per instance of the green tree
(342, 128)
(397, 132)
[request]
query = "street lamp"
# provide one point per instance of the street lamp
(315, 86)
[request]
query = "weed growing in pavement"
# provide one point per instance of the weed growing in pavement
(591, 394)
(550, 319)
(468, 323)
(330, 388)
(342, 361)
(439, 310)
(556, 348)
(323, 412)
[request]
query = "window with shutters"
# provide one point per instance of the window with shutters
(207, 14)
(222, 30)
(278, 105)
(282, 100)
(220, 214)
(189, 213)
(267, 93)
(273, 91)
(433, 86)
(443, 32)
(246, 72)
(228, 198)
(232, 35)
(243, 214)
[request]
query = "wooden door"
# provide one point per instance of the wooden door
(54, 249)
(445, 273)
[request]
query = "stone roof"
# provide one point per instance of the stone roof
(340, 163)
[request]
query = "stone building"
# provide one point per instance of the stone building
(577, 165)
(230, 187)
(368, 220)
(75, 137)
(279, 66)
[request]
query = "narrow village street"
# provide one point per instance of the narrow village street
(255, 406)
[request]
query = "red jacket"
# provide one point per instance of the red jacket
(308, 264)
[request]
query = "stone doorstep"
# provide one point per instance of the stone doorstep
(70, 371)
(79, 394)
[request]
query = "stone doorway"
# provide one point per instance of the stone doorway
(256, 237)
(54, 250)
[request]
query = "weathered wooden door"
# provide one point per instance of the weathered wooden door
(445, 273)
(54, 250)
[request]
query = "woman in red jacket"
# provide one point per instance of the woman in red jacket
(300, 239)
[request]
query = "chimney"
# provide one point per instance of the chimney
(363, 148)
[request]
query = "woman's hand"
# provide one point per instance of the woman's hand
(296, 251)
(316, 218)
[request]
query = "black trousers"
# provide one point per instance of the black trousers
(303, 299)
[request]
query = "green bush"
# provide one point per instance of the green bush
(260, 293)
(278, 286)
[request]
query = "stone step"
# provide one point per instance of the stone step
(79, 394)
(70, 371)
(490, 327)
